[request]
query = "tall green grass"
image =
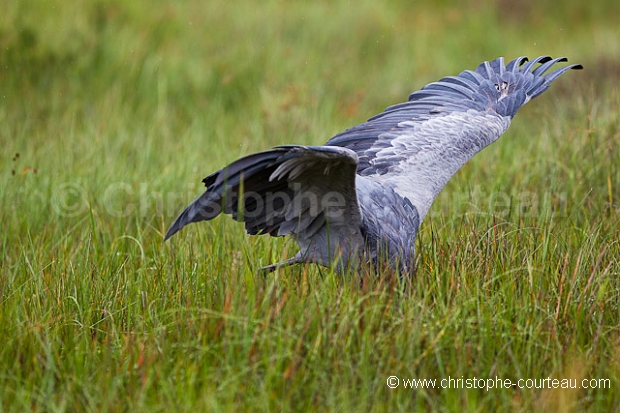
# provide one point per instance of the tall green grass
(112, 112)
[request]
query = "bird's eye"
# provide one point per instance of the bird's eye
(497, 87)
(504, 85)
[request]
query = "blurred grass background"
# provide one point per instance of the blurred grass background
(112, 112)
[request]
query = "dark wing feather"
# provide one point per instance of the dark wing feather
(297, 190)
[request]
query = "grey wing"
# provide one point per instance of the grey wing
(305, 191)
(417, 146)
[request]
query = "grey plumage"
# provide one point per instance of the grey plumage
(362, 196)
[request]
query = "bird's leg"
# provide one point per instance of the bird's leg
(271, 268)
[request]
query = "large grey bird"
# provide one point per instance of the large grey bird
(361, 197)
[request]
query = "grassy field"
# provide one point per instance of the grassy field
(112, 112)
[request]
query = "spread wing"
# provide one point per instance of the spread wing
(305, 191)
(400, 160)
(416, 147)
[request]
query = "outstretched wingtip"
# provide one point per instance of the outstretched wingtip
(177, 225)
(171, 232)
